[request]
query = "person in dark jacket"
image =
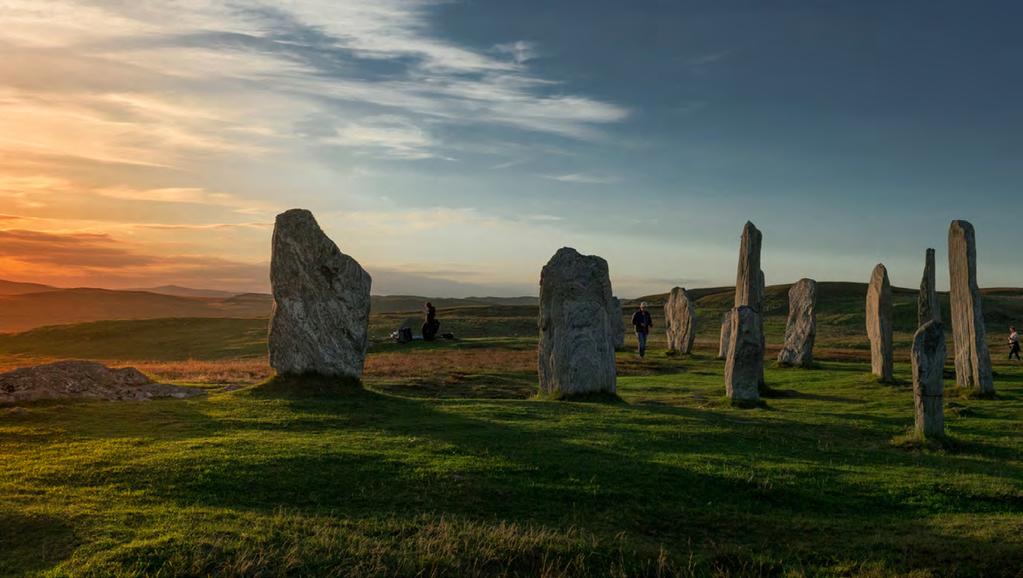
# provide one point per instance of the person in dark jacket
(432, 326)
(1013, 343)
(642, 321)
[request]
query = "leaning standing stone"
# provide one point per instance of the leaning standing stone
(973, 361)
(617, 323)
(576, 348)
(928, 373)
(320, 318)
(801, 329)
(927, 306)
(726, 334)
(745, 356)
(879, 323)
(680, 318)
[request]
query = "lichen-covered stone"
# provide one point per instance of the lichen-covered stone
(320, 318)
(726, 334)
(801, 329)
(972, 358)
(576, 351)
(927, 306)
(928, 360)
(680, 319)
(879, 323)
(745, 355)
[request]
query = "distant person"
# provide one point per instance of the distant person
(642, 321)
(432, 326)
(1013, 343)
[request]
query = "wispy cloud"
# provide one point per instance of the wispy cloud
(583, 179)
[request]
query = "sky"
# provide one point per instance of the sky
(453, 147)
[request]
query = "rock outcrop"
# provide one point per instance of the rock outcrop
(928, 360)
(801, 329)
(927, 305)
(973, 360)
(745, 356)
(576, 351)
(680, 319)
(320, 318)
(84, 380)
(879, 323)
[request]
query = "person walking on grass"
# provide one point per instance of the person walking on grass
(1013, 343)
(642, 322)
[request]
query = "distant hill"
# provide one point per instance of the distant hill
(178, 291)
(413, 303)
(61, 306)
(15, 288)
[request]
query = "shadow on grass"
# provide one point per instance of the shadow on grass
(33, 542)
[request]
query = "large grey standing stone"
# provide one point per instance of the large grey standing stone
(617, 323)
(576, 348)
(927, 306)
(973, 361)
(680, 319)
(928, 359)
(745, 356)
(801, 329)
(320, 318)
(726, 334)
(879, 323)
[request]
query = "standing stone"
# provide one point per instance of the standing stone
(576, 347)
(617, 323)
(928, 373)
(726, 334)
(760, 304)
(879, 323)
(749, 278)
(973, 361)
(680, 318)
(927, 306)
(320, 318)
(801, 329)
(745, 356)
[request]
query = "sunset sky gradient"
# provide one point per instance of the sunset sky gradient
(453, 147)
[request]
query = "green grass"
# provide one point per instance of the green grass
(350, 481)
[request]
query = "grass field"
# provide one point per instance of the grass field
(444, 465)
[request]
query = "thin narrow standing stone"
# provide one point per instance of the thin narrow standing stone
(928, 374)
(726, 334)
(801, 329)
(879, 323)
(973, 361)
(680, 319)
(576, 350)
(749, 278)
(745, 356)
(927, 306)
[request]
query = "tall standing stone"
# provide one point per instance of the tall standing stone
(928, 359)
(801, 329)
(746, 315)
(320, 318)
(973, 361)
(680, 319)
(576, 351)
(745, 356)
(749, 278)
(726, 334)
(879, 323)
(927, 305)
(617, 323)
